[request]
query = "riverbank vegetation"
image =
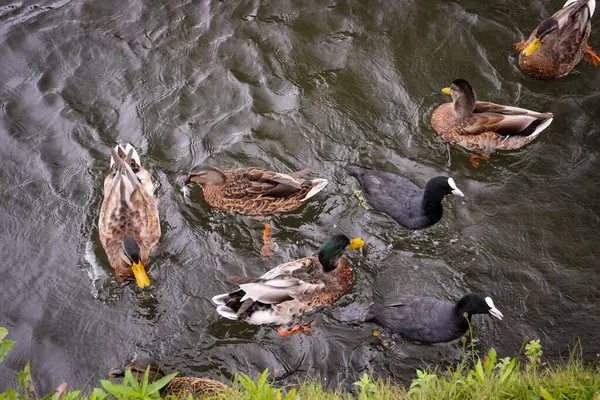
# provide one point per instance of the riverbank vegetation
(521, 377)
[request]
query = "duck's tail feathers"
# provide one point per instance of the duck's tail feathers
(221, 299)
(125, 180)
(591, 4)
(541, 127)
(318, 185)
(227, 312)
(122, 150)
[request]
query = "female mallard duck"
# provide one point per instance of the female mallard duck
(557, 45)
(180, 387)
(255, 191)
(291, 289)
(483, 127)
(128, 223)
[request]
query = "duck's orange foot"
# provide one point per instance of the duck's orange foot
(475, 160)
(520, 46)
(267, 248)
(591, 57)
(295, 329)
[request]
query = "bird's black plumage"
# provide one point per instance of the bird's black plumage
(409, 205)
(427, 319)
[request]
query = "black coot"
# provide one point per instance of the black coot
(401, 199)
(430, 320)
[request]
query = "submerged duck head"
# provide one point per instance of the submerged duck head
(331, 251)
(131, 255)
(463, 97)
(205, 175)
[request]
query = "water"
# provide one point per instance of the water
(283, 85)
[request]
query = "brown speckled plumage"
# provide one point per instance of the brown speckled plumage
(483, 127)
(255, 191)
(128, 208)
(180, 386)
(562, 49)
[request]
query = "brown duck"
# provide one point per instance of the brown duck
(483, 127)
(291, 289)
(559, 43)
(255, 191)
(180, 387)
(128, 223)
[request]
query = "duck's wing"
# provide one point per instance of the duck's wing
(504, 120)
(573, 21)
(129, 202)
(299, 279)
(253, 182)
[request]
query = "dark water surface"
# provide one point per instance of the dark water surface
(284, 85)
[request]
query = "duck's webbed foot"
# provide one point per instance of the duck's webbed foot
(475, 159)
(520, 46)
(267, 248)
(591, 57)
(298, 328)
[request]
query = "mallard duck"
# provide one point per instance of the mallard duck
(128, 223)
(255, 191)
(180, 387)
(557, 45)
(483, 127)
(430, 320)
(401, 199)
(291, 289)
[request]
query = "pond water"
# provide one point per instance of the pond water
(283, 85)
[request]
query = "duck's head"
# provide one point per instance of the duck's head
(122, 150)
(331, 251)
(138, 369)
(476, 304)
(130, 252)
(205, 175)
(440, 186)
(463, 97)
(544, 29)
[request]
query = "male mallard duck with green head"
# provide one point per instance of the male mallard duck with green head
(559, 43)
(128, 223)
(483, 127)
(255, 191)
(291, 289)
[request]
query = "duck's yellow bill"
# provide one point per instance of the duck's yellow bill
(532, 47)
(446, 90)
(140, 275)
(356, 243)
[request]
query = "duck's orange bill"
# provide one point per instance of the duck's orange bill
(356, 243)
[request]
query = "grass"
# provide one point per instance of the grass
(521, 377)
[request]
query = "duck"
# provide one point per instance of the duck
(179, 387)
(128, 223)
(483, 127)
(255, 192)
(408, 204)
(430, 320)
(291, 289)
(559, 43)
